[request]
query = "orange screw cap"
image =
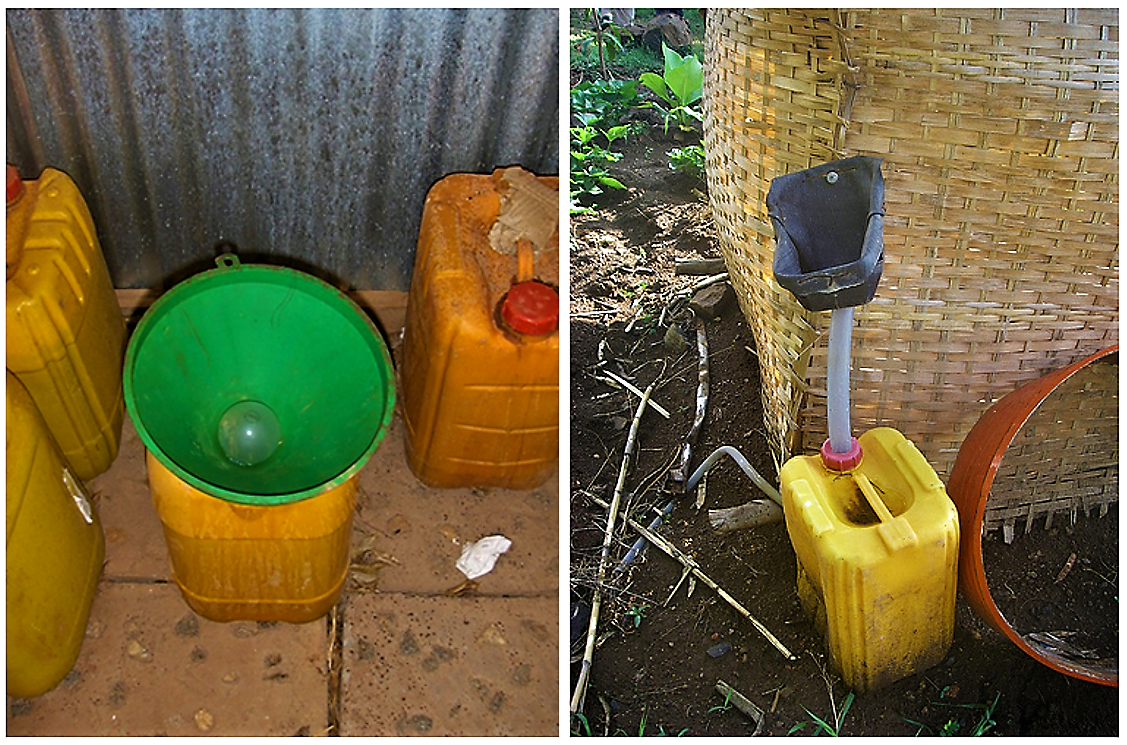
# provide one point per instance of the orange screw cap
(531, 308)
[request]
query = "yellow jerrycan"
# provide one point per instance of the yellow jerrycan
(243, 562)
(480, 360)
(66, 334)
(877, 548)
(54, 552)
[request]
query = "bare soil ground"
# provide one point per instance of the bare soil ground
(660, 652)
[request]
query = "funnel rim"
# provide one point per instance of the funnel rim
(237, 272)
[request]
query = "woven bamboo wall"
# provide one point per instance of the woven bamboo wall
(999, 133)
(1064, 461)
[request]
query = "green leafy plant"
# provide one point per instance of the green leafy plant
(662, 733)
(622, 58)
(580, 727)
(822, 726)
(952, 726)
(604, 38)
(638, 612)
(660, 728)
(680, 86)
(986, 721)
(590, 173)
(603, 102)
(724, 706)
(688, 160)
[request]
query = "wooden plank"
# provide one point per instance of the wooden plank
(389, 307)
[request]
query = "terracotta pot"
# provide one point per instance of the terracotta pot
(969, 487)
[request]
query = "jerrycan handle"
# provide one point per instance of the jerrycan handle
(896, 532)
(526, 260)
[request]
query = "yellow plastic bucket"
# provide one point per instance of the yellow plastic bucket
(54, 552)
(480, 363)
(877, 550)
(66, 335)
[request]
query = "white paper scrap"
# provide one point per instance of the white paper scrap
(479, 558)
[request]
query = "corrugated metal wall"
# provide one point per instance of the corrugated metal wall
(308, 136)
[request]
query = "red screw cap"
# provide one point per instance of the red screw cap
(531, 308)
(846, 461)
(15, 184)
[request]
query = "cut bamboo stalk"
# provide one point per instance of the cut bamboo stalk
(701, 284)
(699, 266)
(749, 515)
(685, 571)
(634, 389)
(702, 400)
(688, 561)
(612, 514)
(741, 702)
(690, 440)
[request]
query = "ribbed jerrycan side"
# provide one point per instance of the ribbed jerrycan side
(54, 552)
(284, 562)
(65, 332)
(480, 356)
(877, 550)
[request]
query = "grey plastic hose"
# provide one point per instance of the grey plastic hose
(741, 461)
(837, 380)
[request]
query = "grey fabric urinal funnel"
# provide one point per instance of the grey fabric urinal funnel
(829, 232)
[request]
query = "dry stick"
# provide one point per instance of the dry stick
(750, 515)
(634, 309)
(741, 702)
(612, 513)
(684, 573)
(702, 398)
(690, 440)
(665, 309)
(633, 389)
(702, 490)
(701, 284)
(688, 561)
(698, 266)
(681, 295)
(606, 716)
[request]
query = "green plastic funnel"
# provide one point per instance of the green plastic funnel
(259, 384)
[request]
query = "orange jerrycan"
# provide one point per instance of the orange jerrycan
(54, 552)
(66, 335)
(480, 367)
(877, 548)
